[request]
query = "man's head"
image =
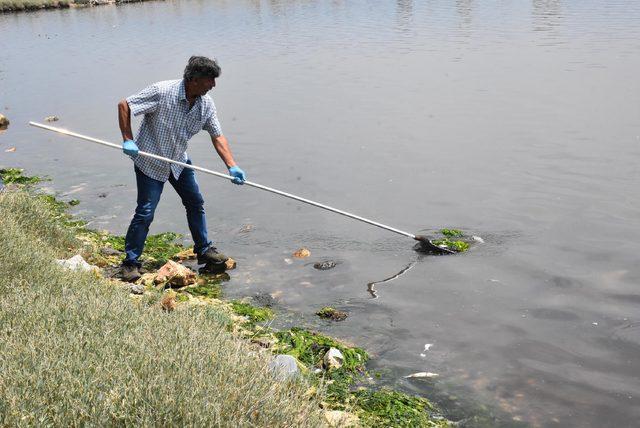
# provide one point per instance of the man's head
(200, 74)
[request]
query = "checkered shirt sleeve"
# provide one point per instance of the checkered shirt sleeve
(211, 124)
(146, 101)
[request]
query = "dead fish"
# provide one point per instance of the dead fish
(422, 374)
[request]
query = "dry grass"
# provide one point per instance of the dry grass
(75, 350)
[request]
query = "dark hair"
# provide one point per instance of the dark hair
(201, 66)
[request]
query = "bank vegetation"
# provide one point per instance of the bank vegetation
(25, 5)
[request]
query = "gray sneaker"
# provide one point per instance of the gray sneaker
(212, 256)
(130, 273)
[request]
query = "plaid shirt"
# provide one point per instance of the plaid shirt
(168, 125)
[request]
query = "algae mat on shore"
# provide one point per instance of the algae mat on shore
(76, 350)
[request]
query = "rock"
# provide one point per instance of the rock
(332, 314)
(230, 264)
(175, 274)
(103, 195)
(302, 253)
(284, 367)
(333, 359)
(187, 254)
(51, 118)
(4, 122)
(325, 265)
(136, 289)
(339, 418)
(77, 263)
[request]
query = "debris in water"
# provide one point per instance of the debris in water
(325, 265)
(302, 253)
(246, 228)
(10, 150)
(51, 118)
(422, 374)
(4, 122)
(478, 239)
(288, 261)
(427, 346)
(331, 313)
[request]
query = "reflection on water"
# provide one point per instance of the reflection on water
(517, 121)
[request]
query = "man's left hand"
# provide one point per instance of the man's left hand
(237, 174)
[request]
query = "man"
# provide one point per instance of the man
(174, 111)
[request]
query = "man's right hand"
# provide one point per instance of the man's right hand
(130, 148)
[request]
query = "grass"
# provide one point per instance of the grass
(75, 350)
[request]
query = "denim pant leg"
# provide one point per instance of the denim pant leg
(187, 188)
(149, 191)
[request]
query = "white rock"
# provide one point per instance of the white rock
(333, 359)
(136, 289)
(284, 367)
(77, 263)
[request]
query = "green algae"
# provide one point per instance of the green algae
(158, 249)
(451, 233)
(458, 246)
(16, 176)
(253, 313)
(386, 407)
(309, 347)
(212, 290)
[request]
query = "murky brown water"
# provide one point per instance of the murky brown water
(517, 121)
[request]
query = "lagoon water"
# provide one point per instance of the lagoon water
(517, 121)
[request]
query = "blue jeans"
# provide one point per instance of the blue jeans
(149, 191)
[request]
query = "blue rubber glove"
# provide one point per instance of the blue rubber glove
(237, 174)
(130, 148)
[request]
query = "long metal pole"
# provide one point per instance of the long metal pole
(218, 174)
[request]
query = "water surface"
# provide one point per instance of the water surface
(516, 121)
